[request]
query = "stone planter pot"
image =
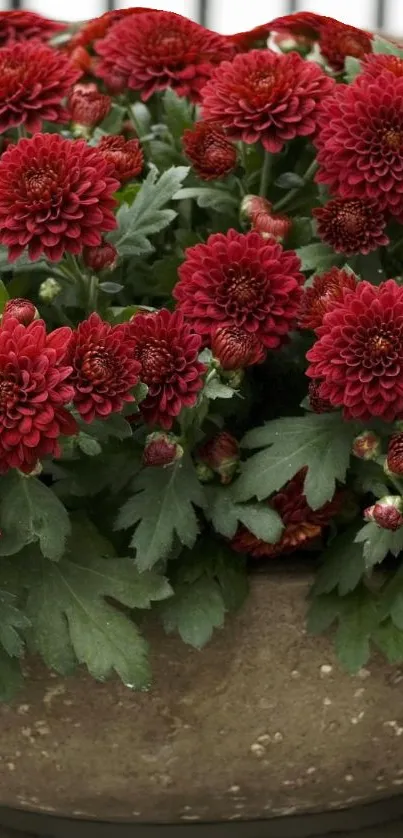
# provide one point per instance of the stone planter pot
(261, 724)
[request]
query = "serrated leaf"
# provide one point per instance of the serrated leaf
(147, 214)
(358, 620)
(72, 619)
(231, 574)
(352, 68)
(216, 198)
(289, 180)
(226, 515)
(195, 611)
(178, 113)
(322, 613)
(11, 679)
(162, 506)
(114, 425)
(343, 565)
(378, 543)
(11, 619)
(30, 511)
(322, 443)
(215, 389)
(316, 257)
(389, 640)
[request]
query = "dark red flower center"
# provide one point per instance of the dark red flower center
(39, 182)
(378, 348)
(8, 394)
(241, 287)
(156, 361)
(351, 218)
(262, 81)
(98, 365)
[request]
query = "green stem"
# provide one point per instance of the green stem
(309, 174)
(22, 132)
(396, 483)
(265, 176)
(396, 246)
(92, 285)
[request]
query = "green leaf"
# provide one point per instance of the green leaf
(165, 274)
(10, 676)
(11, 619)
(72, 615)
(4, 296)
(195, 611)
(231, 574)
(389, 640)
(316, 257)
(114, 426)
(178, 113)
(162, 506)
(141, 118)
(381, 46)
(343, 565)
(215, 389)
(378, 543)
(23, 263)
(88, 445)
(320, 442)
(217, 198)
(358, 620)
(226, 515)
(113, 122)
(289, 180)
(301, 233)
(30, 511)
(352, 68)
(322, 613)
(146, 215)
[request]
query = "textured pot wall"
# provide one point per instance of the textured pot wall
(261, 723)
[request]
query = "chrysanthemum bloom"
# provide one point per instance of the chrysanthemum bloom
(259, 213)
(221, 454)
(324, 294)
(88, 106)
(167, 350)
(26, 26)
(34, 80)
(235, 349)
(240, 281)
(316, 403)
(358, 356)
(387, 513)
(143, 54)
(99, 26)
(302, 525)
(209, 150)
(394, 459)
(336, 39)
(105, 370)
(101, 257)
(261, 95)
(33, 393)
(161, 449)
(360, 142)
(375, 64)
(126, 156)
(55, 197)
(22, 310)
(351, 225)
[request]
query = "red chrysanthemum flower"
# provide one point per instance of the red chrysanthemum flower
(375, 64)
(33, 393)
(351, 225)
(395, 454)
(126, 156)
(255, 38)
(358, 357)
(326, 292)
(88, 106)
(26, 26)
(260, 95)
(167, 350)
(302, 525)
(360, 142)
(336, 39)
(99, 26)
(101, 257)
(22, 310)
(240, 281)
(161, 450)
(209, 150)
(55, 197)
(142, 54)
(104, 367)
(221, 454)
(34, 80)
(235, 349)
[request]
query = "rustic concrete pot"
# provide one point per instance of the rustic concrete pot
(262, 723)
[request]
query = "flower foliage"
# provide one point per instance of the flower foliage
(201, 330)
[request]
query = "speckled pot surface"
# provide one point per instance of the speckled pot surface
(261, 723)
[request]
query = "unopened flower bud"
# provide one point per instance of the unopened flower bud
(81, 59)
(367, 446)
(272, 226)
(204, 473)
(161, 450)
(36, 471)
(101, 257)
(22, 310)
(235, 349)
(394, 459)
(221, 454)
(316, 402)
(88, 107)
(386, 512)
(251, 206)
(49, 289)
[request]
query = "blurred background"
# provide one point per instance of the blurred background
(231, 15)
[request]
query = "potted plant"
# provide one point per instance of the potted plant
(201, 376)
